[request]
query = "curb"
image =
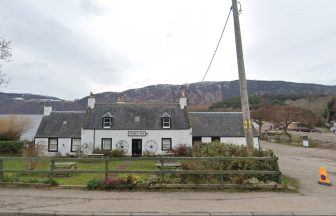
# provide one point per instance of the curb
(57, 213)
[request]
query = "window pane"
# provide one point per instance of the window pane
(107, 144)
(107, 122)
(76, 144)
(53, 144)
(166, 144)
(166, 122)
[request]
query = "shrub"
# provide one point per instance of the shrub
(217, 149)
(97, 151)
(12, 127)
(147, 153)
(51, 182)
(114, 183)
(130, 181)
(95, 184)
(117, 153)
(182, 150)
(154, 180)
(32, 150)
(11, 147)
(113, 153)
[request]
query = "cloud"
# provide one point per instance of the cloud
(92, 7)
(69, 48)
(40, 39)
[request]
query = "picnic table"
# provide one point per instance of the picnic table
(161, 164)
(64, 166)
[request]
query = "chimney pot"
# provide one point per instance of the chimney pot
(91, 101)
(47, 110)
(183, 99)
(121, 99)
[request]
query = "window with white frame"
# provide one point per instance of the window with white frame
(53, 145)
(166, 122)
(75, 144)
(107, 122)
(106, 144)
(166, 144)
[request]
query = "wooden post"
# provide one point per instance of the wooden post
(52, 167)
(1, 172)
(242, 81)
(106, 168)
(279, 177)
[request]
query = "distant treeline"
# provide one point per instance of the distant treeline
(257, 101)
(323, 106)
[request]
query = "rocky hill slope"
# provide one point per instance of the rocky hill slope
(203, 93)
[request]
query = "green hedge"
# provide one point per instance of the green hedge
(10, 147)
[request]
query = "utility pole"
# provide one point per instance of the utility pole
(242, 81)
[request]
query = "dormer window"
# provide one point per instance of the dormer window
(107, 120)
(166, 120)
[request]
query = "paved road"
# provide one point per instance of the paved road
(303, 164)
(298, 162)
(83, 202)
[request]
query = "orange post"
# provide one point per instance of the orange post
(324, 177)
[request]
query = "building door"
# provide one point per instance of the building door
(136, 147)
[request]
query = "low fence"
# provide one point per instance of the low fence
(106, 171)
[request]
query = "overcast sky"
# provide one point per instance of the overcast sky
(67, 48)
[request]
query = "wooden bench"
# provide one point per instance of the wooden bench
(163, 165)
(65, 167)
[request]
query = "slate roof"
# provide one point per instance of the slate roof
(61, 124)
(150, 116)
(217, 124)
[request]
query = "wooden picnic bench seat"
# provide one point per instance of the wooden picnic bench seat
(162, 165)
(64, 166)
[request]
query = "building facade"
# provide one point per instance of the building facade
(225, 127)
(137, 129)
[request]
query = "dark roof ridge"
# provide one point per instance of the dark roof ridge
(67, 111)
(218, 112)
(123, 104)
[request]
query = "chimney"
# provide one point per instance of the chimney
(183, 100)
(47, 110)
(91, 101)
(121, 99)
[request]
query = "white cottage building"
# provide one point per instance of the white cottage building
(60, 132)
(225, 127)
(136, 128)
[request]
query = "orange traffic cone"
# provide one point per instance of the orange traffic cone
(324, 177)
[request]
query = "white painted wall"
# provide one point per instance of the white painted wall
(206, 139)
(178, 137)
(64, 146)
(87, 140)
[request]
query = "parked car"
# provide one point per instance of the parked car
(304, 129)
(333, 129)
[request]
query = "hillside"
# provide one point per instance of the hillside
(202, 93)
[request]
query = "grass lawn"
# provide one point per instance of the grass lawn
(75, 178)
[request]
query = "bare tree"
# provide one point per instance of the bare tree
(5, 55)
(261, 115)
(285, 115)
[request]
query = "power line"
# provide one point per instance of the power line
(220, 38)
